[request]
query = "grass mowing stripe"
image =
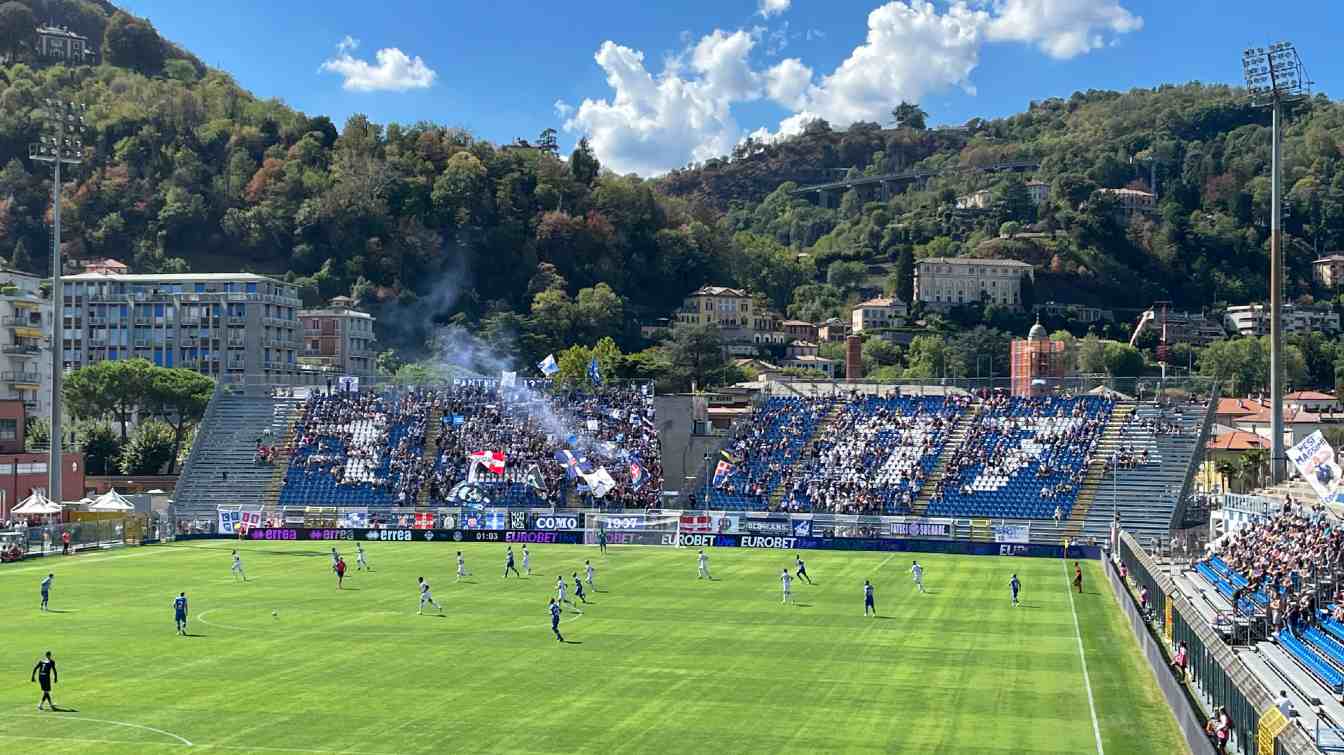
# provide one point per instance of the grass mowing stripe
(1082, 656)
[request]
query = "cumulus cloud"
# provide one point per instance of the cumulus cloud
(393, 71)
(912, 49)
(768, 8)
(563, 109)
(1060, 28)
(650, 124)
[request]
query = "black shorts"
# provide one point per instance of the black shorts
(867, 601)
(45, 683)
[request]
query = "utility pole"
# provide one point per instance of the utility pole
(61, 143)
(1274, 76)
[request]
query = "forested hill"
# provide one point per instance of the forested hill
(1206, 146)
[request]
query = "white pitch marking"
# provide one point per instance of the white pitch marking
(1087, 681)
(183, 740)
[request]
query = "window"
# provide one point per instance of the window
(9, 429)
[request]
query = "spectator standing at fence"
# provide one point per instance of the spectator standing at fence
(65, 543)
(1078, 576)
(1285, 705)
(1181, 660)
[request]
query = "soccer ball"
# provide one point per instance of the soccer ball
(275, 614)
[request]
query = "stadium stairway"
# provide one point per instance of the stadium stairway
(221, 468)
(921, 503)
(284, 447)
(431, 448)
(800, 464)
(1107, 444)
(1145, 498)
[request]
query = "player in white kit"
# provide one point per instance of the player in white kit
(426, 597)
(461, 567)
(786, 581)
(918, 573)
(237, 568)
(360, 563)
(560, 589)
(527, 561)
(588, 572)
(703, 562)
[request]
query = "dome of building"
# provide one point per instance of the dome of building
(1037, 332)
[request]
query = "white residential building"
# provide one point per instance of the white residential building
(878, 314)
(945, 282)
(1253, 319)
(25, 348)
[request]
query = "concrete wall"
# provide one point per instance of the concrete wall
(1189, 719)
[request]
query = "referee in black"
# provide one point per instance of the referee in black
(44, 673)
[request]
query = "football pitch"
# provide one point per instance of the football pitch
(659, 661)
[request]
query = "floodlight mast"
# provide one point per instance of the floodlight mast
(1275, 75)
(61, 143)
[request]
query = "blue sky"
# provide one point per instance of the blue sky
(713, 72)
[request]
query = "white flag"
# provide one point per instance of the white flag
(548, 366)
(599, 482)
(508, 379)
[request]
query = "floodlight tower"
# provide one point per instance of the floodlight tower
(1275, 75)
(61, 143)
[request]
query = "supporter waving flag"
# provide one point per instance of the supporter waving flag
(594, 374)
(493, 461)
(548, 366)
(721, 473)
(637, 475)
(574, 465)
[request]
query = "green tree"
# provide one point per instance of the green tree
(133, 43)
(17, 24)
(1092, 356)
(150, 449)
(1010, 228)
(1122, 360)
(98, 441)
(108, 390)
(583, 164)
(879, 353)
(179, 398)
(926, 358)
(37, 434)
(846, 275)
(909, 115)
(21, 260)
(1027, 292)
(696, 355)
(905, 275)
(388, 362)
(1242, 363)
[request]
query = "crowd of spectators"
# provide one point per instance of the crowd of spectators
(1279, 555)
(764, 448)
(1052, 436)
(385, 442)
(873, 459)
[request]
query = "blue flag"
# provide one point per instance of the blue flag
(637, 475)
(548, 366)
(594, 374)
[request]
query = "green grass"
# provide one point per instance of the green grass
(662, 662)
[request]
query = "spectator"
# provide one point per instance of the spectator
(1181, 660)
(1285, 705)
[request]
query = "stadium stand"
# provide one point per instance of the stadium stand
(1023, 457)
(224, 464)
(874, 457)
(768, 445)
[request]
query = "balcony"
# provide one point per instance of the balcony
(20, 322)
(30, 406)
(21, 348)
(27, 378)
(237, 322)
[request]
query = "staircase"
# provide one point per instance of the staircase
(799, 465)
(288, 412)
(1109, 442)
(954, 440)
(221, 468)
(431, 450)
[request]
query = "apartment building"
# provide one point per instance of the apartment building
(877, 314)
(338, 338)
(25, 350)
(1253, 319)
(218, 324)
(1329, 270)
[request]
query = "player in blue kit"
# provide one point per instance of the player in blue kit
(180, 612)
(46, 589)
(868, 604)
(555, 620)
(508, 563)
(802, 569)
(1015, 586)
(578, 588)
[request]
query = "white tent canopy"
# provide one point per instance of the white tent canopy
(111, 501)
(37, 504)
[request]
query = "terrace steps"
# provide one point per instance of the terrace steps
(954, 440)
(1107, 444)
(799, 464)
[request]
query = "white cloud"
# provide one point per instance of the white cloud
(651, 124)
(787, 82)
(912, 50)
(1060, 28)
(768, 8)
(394, 71)
(563, 109)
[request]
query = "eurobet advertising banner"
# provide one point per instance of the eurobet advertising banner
(1315, 461)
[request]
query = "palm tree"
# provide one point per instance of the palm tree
(1229, 470)
(1253, 464)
